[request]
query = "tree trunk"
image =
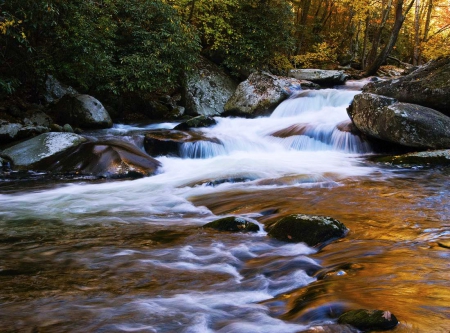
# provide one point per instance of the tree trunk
(399, 19)
(378, 33)
(416, 34)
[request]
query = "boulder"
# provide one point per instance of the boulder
(196, 122)
(430, 158)
(26, 154)
(55, 90)
(37, 118)
(108, 158)
(233, 224)
(320, 76)
(428, 86)
(369, 320)
(208, 89)
(9, 132)
(310, 229)
(410, 125)
(261, 93)
(82, 111)
(168, 142)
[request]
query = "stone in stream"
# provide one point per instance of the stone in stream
(200, 121)
(319, 76)
(310, 229)
(168, 142)
(407, 124)
(369, 320)
(107, 158)
(428, 158)
(261, 93)
(233, 223)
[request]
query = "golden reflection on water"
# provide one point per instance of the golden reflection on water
(395, 225)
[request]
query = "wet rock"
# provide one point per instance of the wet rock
(296, 129)
(168, 142)
(81, 111)
(369, 320)
(444, 243)
(233, 224)
(429, 86)
(56, 128)
(108, 158)
(332, 328)
(310, 229)
(196, 122)
(208, 89)
(261, 93)
(410, 125)
(30, 152)
(320, 76)
(428, 158)
(54, 89)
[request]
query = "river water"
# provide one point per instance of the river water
(131, 256)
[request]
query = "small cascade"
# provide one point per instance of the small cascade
(201, 149)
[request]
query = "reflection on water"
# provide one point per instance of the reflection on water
(131, 256)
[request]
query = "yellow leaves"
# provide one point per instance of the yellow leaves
(7, 24)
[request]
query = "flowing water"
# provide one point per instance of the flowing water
(131, 256)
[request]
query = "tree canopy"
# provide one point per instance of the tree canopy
(142, 46)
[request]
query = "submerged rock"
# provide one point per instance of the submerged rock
(233, 224)
(208, 89)
(369, 320)
(319, 76)
(200, 121)
(82, 111)
(310, 229)
(331, 328)
(429, 158)
(28, 153)
(410, 125)
(261, 93)
(428, 85)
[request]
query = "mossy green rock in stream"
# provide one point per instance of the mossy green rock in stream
(200, 121)
(233, 224)
(369, 320)
(310, 229)
(435, 157)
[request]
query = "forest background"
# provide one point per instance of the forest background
(142, 47)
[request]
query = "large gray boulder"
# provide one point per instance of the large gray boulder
(25, 154)
(410, 125)
(428, 85)
(208, 89)
(319, 76)
(261, 93)
(82, 111)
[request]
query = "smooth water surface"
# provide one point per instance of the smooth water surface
(131, 256)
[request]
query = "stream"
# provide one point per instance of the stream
(131, 256)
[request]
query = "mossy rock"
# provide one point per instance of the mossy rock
(428, 158)
(200, 121)
(232, 223)
(310, 229)
(369, 320)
